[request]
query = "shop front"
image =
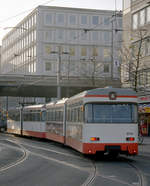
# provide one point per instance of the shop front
(144, 115)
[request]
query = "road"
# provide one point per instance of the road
(32, 162)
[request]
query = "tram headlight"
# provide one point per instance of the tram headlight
(130, 138)
(94, 138)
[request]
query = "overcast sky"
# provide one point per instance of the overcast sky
(12, 11)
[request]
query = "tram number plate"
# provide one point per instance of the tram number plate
(109, 148)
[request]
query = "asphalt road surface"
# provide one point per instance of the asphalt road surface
(32, 162)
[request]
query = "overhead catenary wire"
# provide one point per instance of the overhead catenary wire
(23, 12)
(109, 19)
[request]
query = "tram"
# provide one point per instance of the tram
(103, 120)
(28, 121)
(98, 120)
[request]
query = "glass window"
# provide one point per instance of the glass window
(72, 19)
(148, 78)
(106, 36)
(106, 52)
(48, 36)
(106, 68)
(135, 21)
(95, 36)
(60, 34)
(147, 47)
(95, 20)
(142, 17)
(83, 35)
(111, 113)
(106, 21)
(47, 49)
(83, 51)
(48, 19)
(72, 51)
(84, 19)
(95, 51)
(47, 66)
(148, 14)
(60, 18)
(72, 34)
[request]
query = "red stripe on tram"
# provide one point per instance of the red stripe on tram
(106, 96)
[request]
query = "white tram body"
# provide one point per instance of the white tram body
(97, 120)
(103, 119)
(56, 120)
(34, 117)
(13, 121)
(28, 121)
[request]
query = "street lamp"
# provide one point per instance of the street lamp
(21, 119)
(59, 70)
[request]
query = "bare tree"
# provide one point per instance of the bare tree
(91, 69)
(132, 63)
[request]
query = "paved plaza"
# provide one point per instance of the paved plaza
(144, 149)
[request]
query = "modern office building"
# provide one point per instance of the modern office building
(76, 43)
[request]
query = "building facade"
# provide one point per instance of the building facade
(136, 65)
(0, 59)
(136, 39)
(84, 41)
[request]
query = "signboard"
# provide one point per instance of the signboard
(144, 99)
(144, 108)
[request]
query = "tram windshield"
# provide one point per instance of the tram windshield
(111, 113)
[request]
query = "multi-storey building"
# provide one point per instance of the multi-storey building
(136, 37)
(84, 41)
(0, 59)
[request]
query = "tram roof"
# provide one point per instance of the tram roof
(58, 102)
(101, 91)
(34, 106)
(106, 91)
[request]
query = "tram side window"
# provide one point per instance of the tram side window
(53, 115)
(17, 116)
(77, 114)
(88, 113)
(57, 115)
(68, 115)
(35, 117)
(74, 114)
(47, 115)
(28, 116)
(25, 116)
(61, 115)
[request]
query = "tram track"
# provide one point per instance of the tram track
(139, 173)
(17, 161)
(93, 170)
(92, 176)
(94, 173)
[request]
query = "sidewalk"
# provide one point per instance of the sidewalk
(144, 149)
